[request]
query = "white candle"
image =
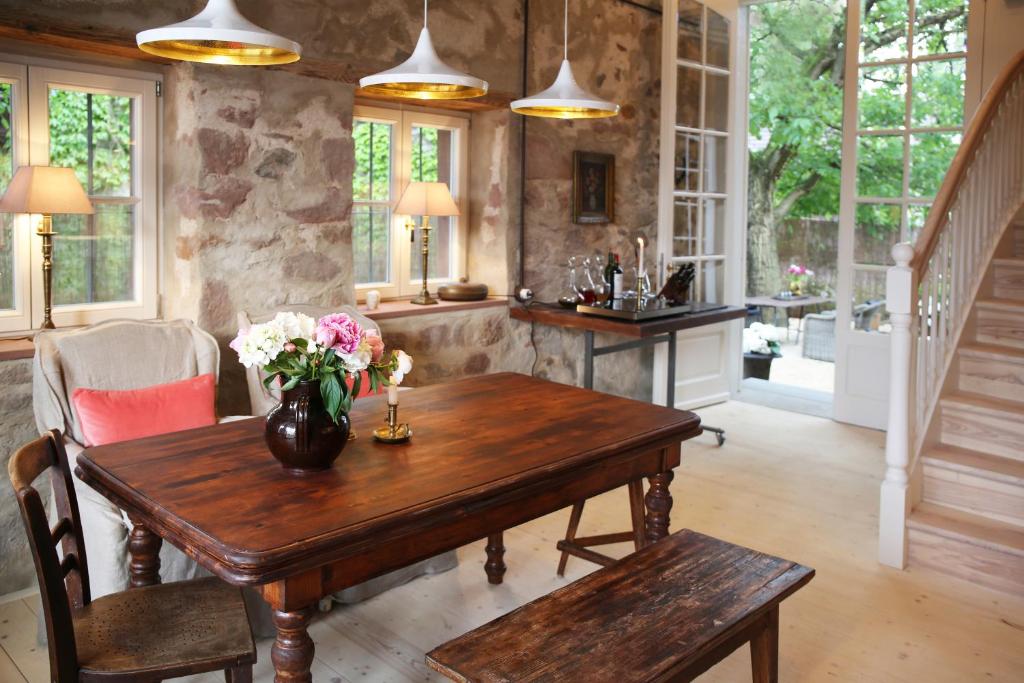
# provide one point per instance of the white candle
(392, 394)
(640, 258)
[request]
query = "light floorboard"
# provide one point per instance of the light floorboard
(794, 485)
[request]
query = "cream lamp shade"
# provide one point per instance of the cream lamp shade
(219, 35)
(427, 199)
(424, 76)
(565, 99)
(46, 190)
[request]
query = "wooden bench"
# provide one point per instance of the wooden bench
(669, 612)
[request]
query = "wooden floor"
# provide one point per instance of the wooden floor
(797, 486)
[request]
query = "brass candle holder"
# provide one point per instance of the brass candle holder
(392, 431)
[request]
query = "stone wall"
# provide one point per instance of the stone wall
(17, 426)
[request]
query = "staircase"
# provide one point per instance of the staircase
(970, 521)
(953, 494)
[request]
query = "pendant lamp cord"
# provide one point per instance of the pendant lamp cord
(565, 34)
(425, 13)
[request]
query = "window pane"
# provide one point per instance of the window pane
(718, 39)
(883, 33)
(433, 150)
(716, 116)
(688, 161)
(93, 134)
(690, 28)
(917, 214)
(6, 219)
(930, 156)
(371, 243)
(880, 166)
(882, 95)
(371, 179)
(876, 231)
(688, 97)
(940, 26)
(93, 256)
(714, 163)
(714, 226)
(938, 96)
(869, 312)
(711, 282)
(684, 233)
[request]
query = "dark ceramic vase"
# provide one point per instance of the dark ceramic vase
(301, 434)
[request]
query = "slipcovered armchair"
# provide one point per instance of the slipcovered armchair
(263, 399)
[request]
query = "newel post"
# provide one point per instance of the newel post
(895, 495)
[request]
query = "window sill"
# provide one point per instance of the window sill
(16, 349)
(404, 309)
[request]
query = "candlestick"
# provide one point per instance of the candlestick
(392, 431)
(392, 394)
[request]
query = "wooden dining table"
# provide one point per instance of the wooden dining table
(487, 453)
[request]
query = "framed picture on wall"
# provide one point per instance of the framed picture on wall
(593, 187)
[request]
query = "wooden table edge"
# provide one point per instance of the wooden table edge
(244, 568)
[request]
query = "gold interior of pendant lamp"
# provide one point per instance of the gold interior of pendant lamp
(565, 112)
(220, 52)
(425, 91)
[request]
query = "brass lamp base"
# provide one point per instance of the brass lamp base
(424, 299)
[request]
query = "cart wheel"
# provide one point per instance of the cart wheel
(721, 439)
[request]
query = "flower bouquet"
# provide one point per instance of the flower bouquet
(320, 366)
(760, 347)
(798, 275)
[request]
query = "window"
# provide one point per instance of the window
(701, 141)
(392, 149)
(105, 128)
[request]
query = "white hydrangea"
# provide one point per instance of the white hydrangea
(358, 361)
(261, 344)
(753, 342)
(767, 332)
(296, 326)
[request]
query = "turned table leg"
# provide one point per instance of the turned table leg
(292, 652)
(144, 547)
(495, 565)
(658, 502)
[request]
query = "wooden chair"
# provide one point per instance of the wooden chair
(666, 613)
(581, 546)
(144, 634)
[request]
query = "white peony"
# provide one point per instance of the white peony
(403, 369)
(296, 326)
(261, 344)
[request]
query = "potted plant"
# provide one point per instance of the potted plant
(798, 276)
(320, 365)
(760, 347)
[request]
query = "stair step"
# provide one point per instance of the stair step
(1000, 322)
(1009, 278)
(983, 424)
(980, 550)
(992, 370)
(974, 482)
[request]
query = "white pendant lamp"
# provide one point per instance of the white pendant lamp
(565, 99)
(424, 76)
(219, 35)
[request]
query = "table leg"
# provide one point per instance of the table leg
(764, 650)
(144, 548)
(670, 390)
(588, 359)
(292, 652)
(658, 502)
(495, 565)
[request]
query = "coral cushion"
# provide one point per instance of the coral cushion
(111, 416)
(364, 386)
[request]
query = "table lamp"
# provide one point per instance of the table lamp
(45, 190)
(426, 199)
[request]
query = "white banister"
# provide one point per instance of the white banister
(931, 290)
(895, 498)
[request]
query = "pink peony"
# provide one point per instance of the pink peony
(375, 343)
(339, 332)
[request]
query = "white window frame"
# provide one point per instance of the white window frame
(20, 316)
(400, 283)
(145, 187)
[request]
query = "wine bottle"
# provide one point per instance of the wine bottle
(616, 280)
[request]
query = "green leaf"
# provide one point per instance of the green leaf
(331, 392)
(291, 383)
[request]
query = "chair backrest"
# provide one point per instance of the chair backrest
(262, 399)
(63, 581)
(113, 355)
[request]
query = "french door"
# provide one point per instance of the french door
(903, 116)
